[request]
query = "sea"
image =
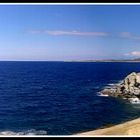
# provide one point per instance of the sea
(61, 98)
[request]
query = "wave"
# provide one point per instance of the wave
(111, 84)
(134, 100)
(100, 94)
(28, 132)
(114, 83)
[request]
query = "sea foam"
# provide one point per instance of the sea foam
(28, 132)
(134, 100)
(100, 94)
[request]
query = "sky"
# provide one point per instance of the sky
(69, 32)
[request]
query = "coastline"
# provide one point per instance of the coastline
(127, 128)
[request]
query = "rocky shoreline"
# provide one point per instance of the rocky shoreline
(128, 89)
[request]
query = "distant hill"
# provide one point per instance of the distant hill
(137, 59)
(111, 60)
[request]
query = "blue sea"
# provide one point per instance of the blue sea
(61, 98)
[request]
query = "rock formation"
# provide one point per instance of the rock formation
(127, 89)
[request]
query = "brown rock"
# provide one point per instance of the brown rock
(128, 88)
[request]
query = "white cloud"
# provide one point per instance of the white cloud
(133, 53)
(125, 35)
(74, 33)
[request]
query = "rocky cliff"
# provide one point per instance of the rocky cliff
(128, 88)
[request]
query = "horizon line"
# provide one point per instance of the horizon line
(71, 3)
(74, 60)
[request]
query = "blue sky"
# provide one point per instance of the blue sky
(69, 32)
